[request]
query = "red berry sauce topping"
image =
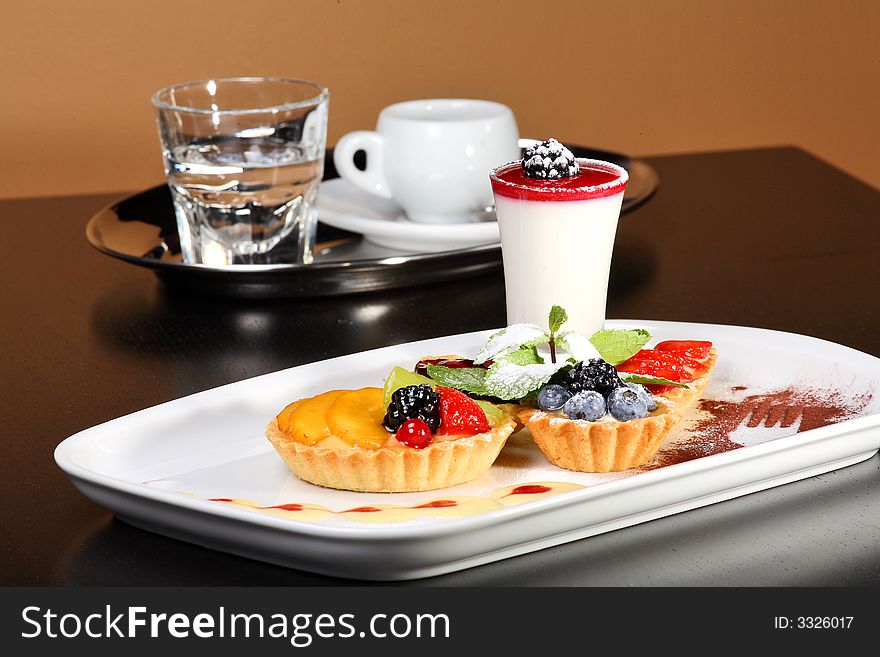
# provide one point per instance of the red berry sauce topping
(595, 179)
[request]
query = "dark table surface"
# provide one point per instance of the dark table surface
(773, 238)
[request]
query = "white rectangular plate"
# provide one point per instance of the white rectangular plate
(780, 407)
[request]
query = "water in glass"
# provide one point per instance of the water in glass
(237, 198)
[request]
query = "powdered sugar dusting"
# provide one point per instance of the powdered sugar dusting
(577, 346)
(510, 381)
(509, 340)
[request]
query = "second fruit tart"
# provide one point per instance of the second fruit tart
(598, 423)
(588, 403)
(408, 437)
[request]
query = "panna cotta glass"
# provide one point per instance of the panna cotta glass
(556, 240)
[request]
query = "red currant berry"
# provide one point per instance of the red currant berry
(414, 433)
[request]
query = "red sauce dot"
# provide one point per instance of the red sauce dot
(529, 489)
(437, 504)
(221, 499)
(286, 507)
(363, 509)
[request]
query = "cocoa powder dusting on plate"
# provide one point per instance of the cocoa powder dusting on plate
(711, 433)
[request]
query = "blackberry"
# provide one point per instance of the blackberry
(595, 374)
(412, 402)
(549, 160)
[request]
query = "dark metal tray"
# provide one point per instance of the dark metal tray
(141, 229)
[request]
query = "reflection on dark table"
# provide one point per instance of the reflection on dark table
(771, 238)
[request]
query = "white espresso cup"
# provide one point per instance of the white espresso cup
(432, 156)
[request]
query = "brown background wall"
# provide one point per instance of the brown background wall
(639, 77)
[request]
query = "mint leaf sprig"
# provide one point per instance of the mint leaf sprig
(511, 339)
(519, 371)
(618, 345)
(558, 317)
(507, 380)
(509, 377)
(469, 379)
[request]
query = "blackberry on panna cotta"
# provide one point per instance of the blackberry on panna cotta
(549, 160)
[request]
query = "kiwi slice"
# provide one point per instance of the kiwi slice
(400, 378)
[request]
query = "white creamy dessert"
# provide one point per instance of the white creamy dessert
(557, 236)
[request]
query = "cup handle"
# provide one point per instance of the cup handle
(372, 179)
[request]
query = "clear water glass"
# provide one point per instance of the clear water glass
(244, 159)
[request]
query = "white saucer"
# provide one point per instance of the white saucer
(381, 221)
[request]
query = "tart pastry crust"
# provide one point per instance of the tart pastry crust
(392, 470)
(611, 446)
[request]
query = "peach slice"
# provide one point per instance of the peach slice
(356, 418)
(308, 422)
(283, 418)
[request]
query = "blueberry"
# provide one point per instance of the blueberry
(586, 405)
(552, 397)
(644, 394)
(626, 404)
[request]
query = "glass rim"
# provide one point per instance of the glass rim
(322, 94)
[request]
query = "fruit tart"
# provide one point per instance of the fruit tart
(592, 421)
(411, 435)
(596, 404)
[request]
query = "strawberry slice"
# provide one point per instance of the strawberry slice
(658, 389)
(698, 349)
(672, 371)
(672, 359)
(667, 358)
(459, 414)
(676, 360)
